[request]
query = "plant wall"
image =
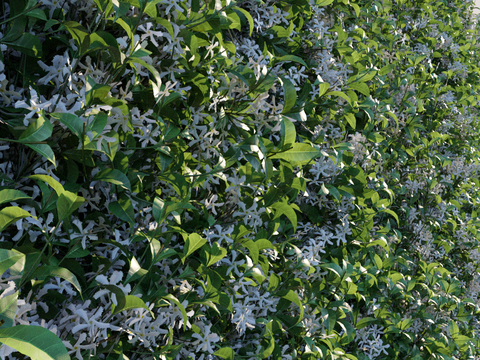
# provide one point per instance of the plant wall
(251, 179)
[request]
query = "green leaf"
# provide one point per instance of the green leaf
(136, 271)
(132, 302)
(67, 203)
(8, 309)
(364, 322)
(334, 191)
(11, 214)
(293, 297)
(391, 212)
(9, 195)
(95, 92)
(27, 44)
(46, 271)
(225, 353)
(159, 210)
(97, 126)
(271, 343)
(340, 94)
(119, 295)
(102, 40)
(114, 176)
(37, 13)
(39, 130)
(288, 133)
(289, 93)
(356, 8)
(79, 34)
(289, 58)
(282, 208)
(180, 306)
(247, 16)
(299, 153)
(8, 259)
(323, 88)
(54, 184)
(214, 254)
(44, 150)
(34, 341)
(72, 121)
(323, 2)
(244, 73)
(352, 121)
(193, 242)
(123, 209)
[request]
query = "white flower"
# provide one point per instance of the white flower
(243, 316)
(78, 347)
(251, 216)
(150, 33)
(115, 278)
(93, 322)
(60, 67)
(204, 343)
(35, 105)
(61, 286)
(84, 233)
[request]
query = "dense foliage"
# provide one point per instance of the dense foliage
(281, 179)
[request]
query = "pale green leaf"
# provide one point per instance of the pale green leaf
(34, 341)
(9, 195)
(225, 353)
(54, 184)
(11, 214)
